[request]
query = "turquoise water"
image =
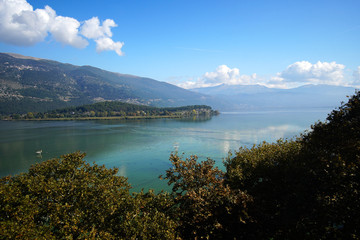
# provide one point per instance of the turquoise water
(141, 148)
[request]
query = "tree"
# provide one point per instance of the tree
(331, 152)
(29, 115)
(207, 208)
(270, 173)
(307, 188)
(16, 116)
(68, 198)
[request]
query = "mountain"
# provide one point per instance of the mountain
(29, 84)
(225, 89)
(259, 98)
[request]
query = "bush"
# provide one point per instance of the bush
(306, 188)
(68, 198)
(207, 207)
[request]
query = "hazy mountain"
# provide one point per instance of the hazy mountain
(32, 84)
(224, 89)
(257, 97)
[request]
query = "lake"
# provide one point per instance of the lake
(141, 148)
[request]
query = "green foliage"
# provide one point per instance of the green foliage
(306, 188)
(69, 199)
(271, 174)
(29, 115)
(151, 217)
(16, 116)
(23, 105)
(117, 108)
(331, 153)
(121, 109)
(207, 208)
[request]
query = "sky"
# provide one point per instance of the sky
(191, 43)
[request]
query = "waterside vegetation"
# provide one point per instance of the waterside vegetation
(305, 188)
(115, 110)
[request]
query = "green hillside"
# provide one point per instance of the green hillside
(36, 85)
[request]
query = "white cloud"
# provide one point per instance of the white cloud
(278, 82)
(107, 44)
(92, 29)
(319, 73)
(222, 75)
(101, 34)
(65, 30)
(356, 76)
(21, 25)
(296, 74)
(192, 84)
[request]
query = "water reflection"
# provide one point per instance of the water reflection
(122, 171)
(195, 119)
(141, 148)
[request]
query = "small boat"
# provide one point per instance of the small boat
(38, 152)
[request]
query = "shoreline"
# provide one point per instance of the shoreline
(100, 118)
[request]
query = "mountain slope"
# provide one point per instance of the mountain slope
(32, 84)
(256, 97)
(225, 89)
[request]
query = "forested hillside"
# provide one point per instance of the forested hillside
(36, 85)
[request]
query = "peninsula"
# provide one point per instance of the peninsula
(116, 110)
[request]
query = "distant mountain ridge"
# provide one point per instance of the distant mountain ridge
(33, 84)
(257, 97)
(224, 89)
(29, 84)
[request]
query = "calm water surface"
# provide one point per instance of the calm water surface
(141, 148)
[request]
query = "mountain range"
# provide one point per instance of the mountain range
(29, 84)
(32, 84)
(260, 98)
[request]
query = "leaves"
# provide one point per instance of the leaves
(69, 198)
(207, 207)
(306, 188)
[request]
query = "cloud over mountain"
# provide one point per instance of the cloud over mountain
(21, 25)
(356, 76)
(296, 74)
(318, 73)
(222, 75)
(231, 76)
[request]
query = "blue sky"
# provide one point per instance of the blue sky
(194, 43)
